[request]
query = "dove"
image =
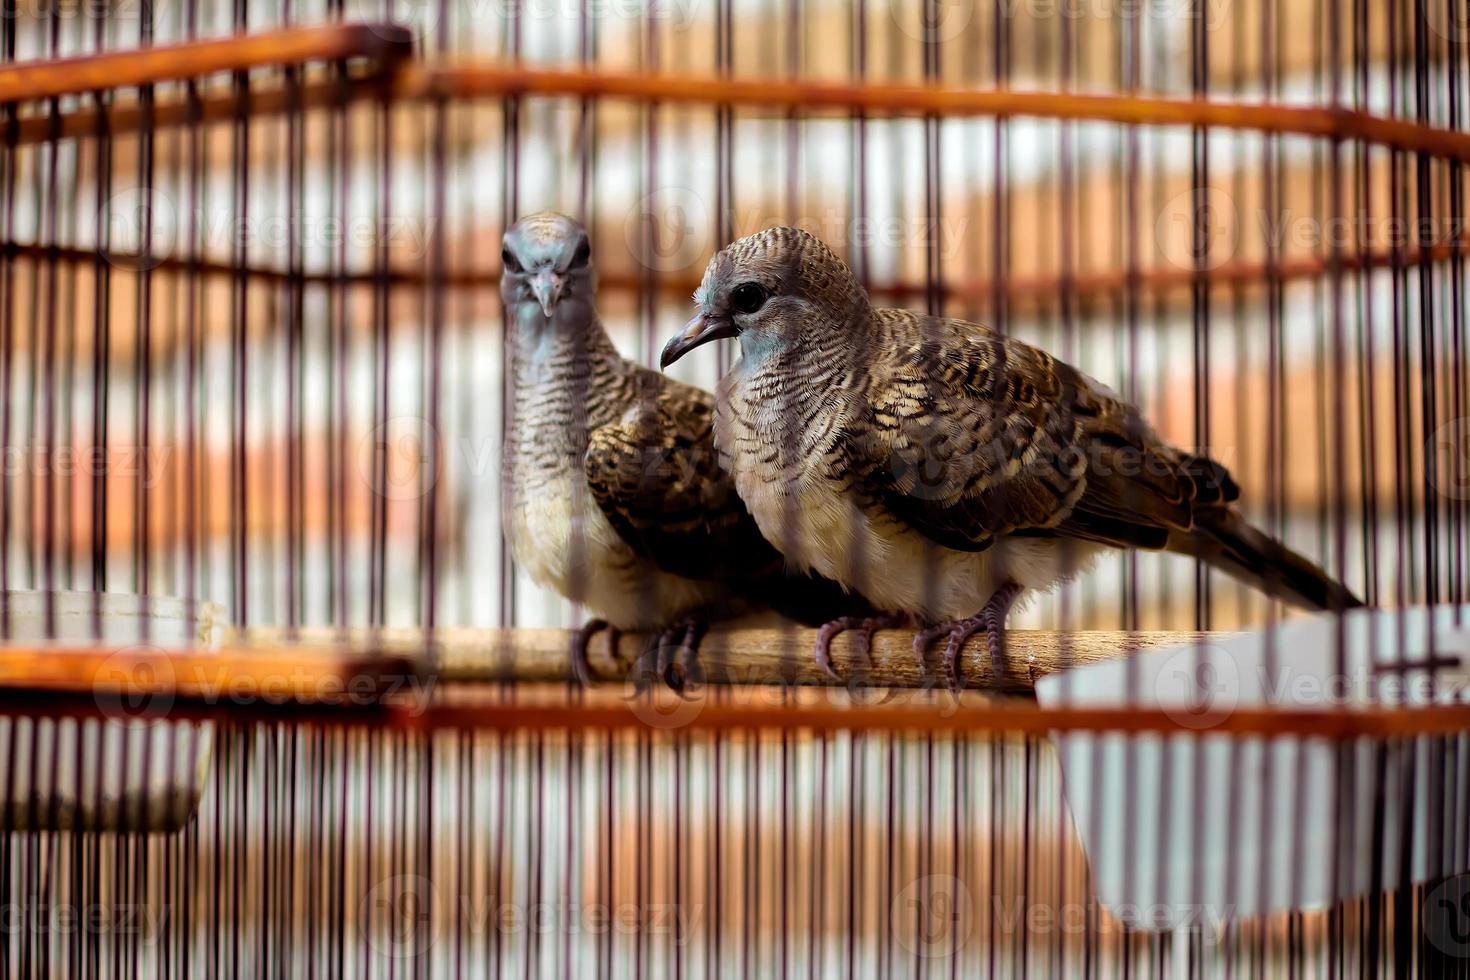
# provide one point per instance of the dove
(614, 493)
(944, 468)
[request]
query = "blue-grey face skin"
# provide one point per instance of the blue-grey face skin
(742, 299)
(546, 279)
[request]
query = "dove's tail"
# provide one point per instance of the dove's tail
(1224, 539)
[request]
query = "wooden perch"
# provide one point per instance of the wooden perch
(727, 656)
(326, 665)
(401, 678)
(138, 672)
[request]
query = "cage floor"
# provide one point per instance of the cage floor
(332, 852)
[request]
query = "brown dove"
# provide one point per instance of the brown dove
(614, 493)
(942, 468)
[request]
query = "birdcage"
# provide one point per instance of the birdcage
(279, 701)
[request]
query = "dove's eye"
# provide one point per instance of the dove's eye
(581, 255)
(509, 261)
(749, 297)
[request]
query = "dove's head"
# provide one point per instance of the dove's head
(546, 271)
(781, 291)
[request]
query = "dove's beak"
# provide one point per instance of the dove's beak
(696, 333)
(546, 285)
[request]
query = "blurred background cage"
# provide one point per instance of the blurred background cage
(278, 702)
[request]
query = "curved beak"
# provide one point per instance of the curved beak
(696, 333)
(547, 285)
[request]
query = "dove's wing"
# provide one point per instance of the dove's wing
(656, 475)
(971, 435)
(657, 478)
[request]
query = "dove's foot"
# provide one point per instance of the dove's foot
(865, 626)
(581, 665)
(665, 646)
(992, 619)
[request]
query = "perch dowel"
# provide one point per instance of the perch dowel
(318, 663)
(280, 673)
(766, 680)
(739, 655)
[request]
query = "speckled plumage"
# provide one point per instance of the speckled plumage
(929, 461)
(614, 492)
